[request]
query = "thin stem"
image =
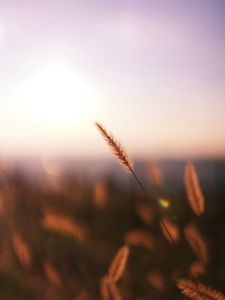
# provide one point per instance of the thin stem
(146, 193)
(167, 231)
(139, 182)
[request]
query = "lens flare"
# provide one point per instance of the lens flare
(165, 203)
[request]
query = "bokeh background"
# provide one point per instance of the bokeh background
(152, 72)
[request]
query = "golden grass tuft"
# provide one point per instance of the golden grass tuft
(109, 290)
(140, 238)
(198, 291)
(193, 189)
(2, 202)
(117, 149)
(170, 230)
(100, 194)
(157, 280)
(21, 249)
(63, 225)
(197, 269)
(118, 264)
(197, 243)
(52, 274)
(154, 172)
(145, 212)
(104, 288)
(114, 291)
(83, 296)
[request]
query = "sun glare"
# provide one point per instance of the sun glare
(56, 95)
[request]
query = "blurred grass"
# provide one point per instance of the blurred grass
(107, 212)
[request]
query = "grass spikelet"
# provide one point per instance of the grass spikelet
(140, 238)
(104, 288)
(63, 225)
(170, 230)
(109, 290)
(118, 264)
(100, 194)
(1, 203)
(154, 172)
(21, 249)
(198, 291)
(83, 296)
(114, 291)
(117, 149)
(197, 269)
(193, 189)
(145, 213)
(157, 280)
(197, 243)
(52, 274)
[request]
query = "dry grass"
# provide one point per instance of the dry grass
(140, 238)
(154, 172)
(63, 225)
(157, 280)
(63, 239)
(109, 290)
(197, 269)
(194, 192)
(198, 291)
(118, 264)
(146, 213)
(171, 228)
(127, 163)
(117, 149)
(83, 296)
(22, 250)
(197, 243)
(100, 194)
(52, 274)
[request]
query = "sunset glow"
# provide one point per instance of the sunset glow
(56, 95)
(153, 73)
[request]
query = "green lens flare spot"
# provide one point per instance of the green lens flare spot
(165, 203)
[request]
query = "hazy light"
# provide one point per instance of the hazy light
(153, 75)
(56, 95)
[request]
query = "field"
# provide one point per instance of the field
(89, 215)
(59, 236)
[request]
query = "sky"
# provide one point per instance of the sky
(153, 72)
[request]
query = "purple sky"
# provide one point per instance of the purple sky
(157, 69)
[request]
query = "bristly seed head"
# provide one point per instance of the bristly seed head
(116, 148)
